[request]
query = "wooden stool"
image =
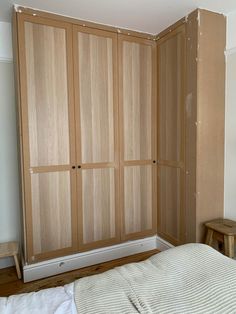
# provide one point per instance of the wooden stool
(223, 230)
(11, 249)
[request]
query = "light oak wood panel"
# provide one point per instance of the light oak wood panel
(47, 94)
(51, 211)
(98, 205)
(170, 203)
(15, 46)
(136, 79)
(138, 207)
(171, 96)
(137, 117)
(47, 125)
(95, 77)
(96, 98)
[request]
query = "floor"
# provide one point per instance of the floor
(10, 284)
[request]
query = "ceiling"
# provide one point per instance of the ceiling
(150, 16)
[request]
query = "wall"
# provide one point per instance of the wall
(231, 26)
(9, 179)
(230, 120)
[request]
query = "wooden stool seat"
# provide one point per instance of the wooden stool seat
(9, 249)
(224, 230)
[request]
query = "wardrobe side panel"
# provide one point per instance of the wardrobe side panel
(210, 118)
(191, 128)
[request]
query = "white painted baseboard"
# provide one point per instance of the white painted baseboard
(163, 245)
(76, 261)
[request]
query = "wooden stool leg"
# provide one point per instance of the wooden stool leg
(17, 267)
(229, 246)
(209, 237)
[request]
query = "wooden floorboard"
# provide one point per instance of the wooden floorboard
(10, 284)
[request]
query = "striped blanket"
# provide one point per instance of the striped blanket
(192, 278)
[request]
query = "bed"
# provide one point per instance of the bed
(192, 278)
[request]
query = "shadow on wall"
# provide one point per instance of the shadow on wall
(9, 174)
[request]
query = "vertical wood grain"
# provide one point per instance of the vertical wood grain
(98, 188)
(137, 116)
(171, 135)
(137, 100)
(96, 96)
(51, 210)
(47, 93)
(47, 111)
(138, 198)
(170, 98)
(170, 202)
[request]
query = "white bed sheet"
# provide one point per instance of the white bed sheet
(59, 300)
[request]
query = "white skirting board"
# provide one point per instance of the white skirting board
(67, 263)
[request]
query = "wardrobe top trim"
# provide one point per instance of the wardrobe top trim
(171, 28)
(32, 12)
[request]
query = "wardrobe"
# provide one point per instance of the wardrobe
(191, 106)
(107, 135)
(87, 112)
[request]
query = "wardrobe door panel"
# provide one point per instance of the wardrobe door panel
(138, 198)
(137, 100)
(48, 133)
(171, 120)
(95, 59)
(51, 211)
(98, 204)
(47, 94)
(96, 97)
(137, 79)
(170, 110)
(170, 201)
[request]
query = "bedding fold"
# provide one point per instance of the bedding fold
(193, 278)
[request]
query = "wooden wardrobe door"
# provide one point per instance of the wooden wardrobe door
(95, 58)
(47, 112)
(137, 62)
(171, 71)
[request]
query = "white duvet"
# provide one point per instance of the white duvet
(59, 300)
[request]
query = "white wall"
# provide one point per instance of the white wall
(9, 179)
(230, 120)
(5, 42)
(231, 26)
